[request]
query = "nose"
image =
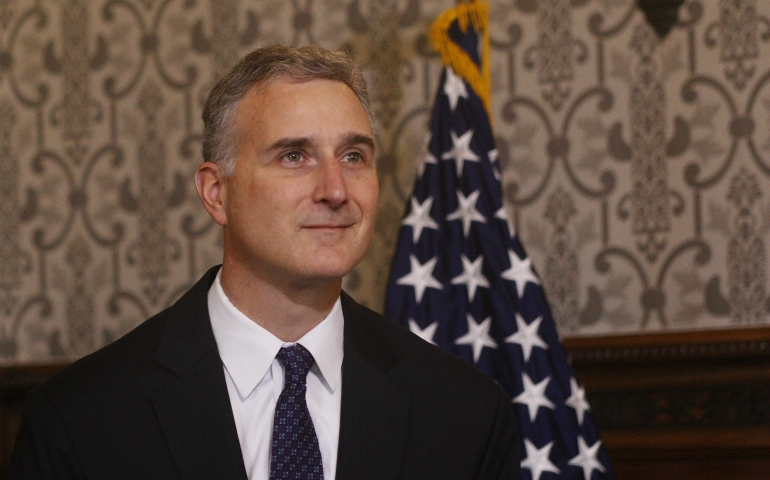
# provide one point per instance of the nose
(330, 186)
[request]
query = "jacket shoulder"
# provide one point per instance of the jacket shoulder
(418, 359)
(131, 362)
(114, 364)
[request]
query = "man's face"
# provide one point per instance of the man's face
(300, 204)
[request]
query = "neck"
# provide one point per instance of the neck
(286, 309)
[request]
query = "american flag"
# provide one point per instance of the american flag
(461, 279)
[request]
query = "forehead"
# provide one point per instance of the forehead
(286, 107)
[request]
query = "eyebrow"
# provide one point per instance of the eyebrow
(357, 138)
(284, 143)
(304, 142)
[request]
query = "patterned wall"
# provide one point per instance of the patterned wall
(636, 170)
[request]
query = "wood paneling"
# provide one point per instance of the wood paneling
(669, 406)
(15, 382)
(692, 405)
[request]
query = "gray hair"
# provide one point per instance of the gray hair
(300, 64)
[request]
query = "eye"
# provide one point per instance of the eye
(354, 157)
(292, 157)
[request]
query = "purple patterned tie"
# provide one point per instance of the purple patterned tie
(295, 452)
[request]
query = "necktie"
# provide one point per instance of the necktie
(295, 452)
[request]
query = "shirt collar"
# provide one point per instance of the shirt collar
(247, 350)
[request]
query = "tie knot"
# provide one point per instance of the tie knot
(297, 361)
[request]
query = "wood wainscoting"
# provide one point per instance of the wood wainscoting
(692, 405)
(681, 406)
(15, 382)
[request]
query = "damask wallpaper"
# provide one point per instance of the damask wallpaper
(635, 169)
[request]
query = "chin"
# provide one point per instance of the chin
(329, 271)
(324, 275)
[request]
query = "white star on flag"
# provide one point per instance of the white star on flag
(420, 276)
(526, 336)
(424, 333)
(493, 156)
(503, 215)
(420, 218)
(471, 276)
(577, 400)
(533, 396)
(461, 150)
(427, 157)
(454, 88)
(520, 272)
(586, 459)
(466, 211)
(537, 460)
(477, 337)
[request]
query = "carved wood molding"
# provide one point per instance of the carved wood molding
(671, 346)
(26, 377)
(680, 405)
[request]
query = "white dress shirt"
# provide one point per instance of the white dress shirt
(255, 380)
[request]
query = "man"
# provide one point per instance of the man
(264, 369)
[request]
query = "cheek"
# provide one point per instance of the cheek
(368, 191)
(268, 195)
(252, 209)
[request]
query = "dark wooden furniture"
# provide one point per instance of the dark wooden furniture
(692, 405)
(15, 382)
(681, 406)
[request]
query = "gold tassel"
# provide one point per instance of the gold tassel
(474, 13)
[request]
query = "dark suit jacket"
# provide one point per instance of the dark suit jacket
(154, 405)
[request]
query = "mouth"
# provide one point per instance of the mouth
(329, 226)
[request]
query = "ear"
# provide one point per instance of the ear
(212, 190)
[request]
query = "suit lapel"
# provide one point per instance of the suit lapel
(194, 409)
(196, 418)
(374, 409)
